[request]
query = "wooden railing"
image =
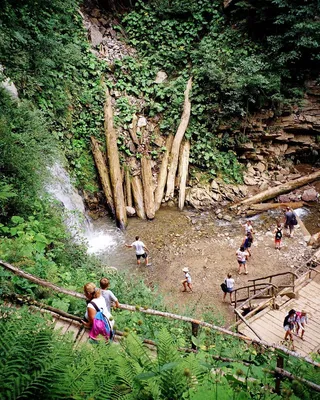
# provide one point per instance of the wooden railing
(293, 276)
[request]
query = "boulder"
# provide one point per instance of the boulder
(95, 36)
(142, 121)
(309, 195)
(227, 217)
(130, 211)
(214, 186)
(249, 180)
(261, 167)
(161, 77)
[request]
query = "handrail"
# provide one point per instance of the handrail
(248, 288)
(270, 285)
(274, 275)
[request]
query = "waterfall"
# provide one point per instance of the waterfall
(98, 237)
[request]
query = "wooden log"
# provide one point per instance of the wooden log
(137, 192)
(177, 141)
(183, 172)
(133, 130)
(280, 189)
(127, 179)
(147, 183)
(163, 314)
(103, 174)
(162, 177)
(114, 164)
(261, 207)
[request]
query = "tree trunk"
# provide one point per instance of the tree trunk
(103, 173)
(259, 208)
(183, 172)
(162, 177)
(148, 195)
(137, 192)
(114, 164)
(177, 141)
(128, 187)
(276, 191)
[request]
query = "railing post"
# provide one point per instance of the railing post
(194, 330)
(278, 376)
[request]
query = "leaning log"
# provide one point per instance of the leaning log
(133, 130)
(127, 179)
(103, 174)
(183, 172)
(280, 189)
(114, 164)
(162, 176)
(177, 141)
(137, 192)
(147, 183)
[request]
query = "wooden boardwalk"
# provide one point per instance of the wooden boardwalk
(269, 322)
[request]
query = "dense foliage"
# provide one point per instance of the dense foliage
(38, 362)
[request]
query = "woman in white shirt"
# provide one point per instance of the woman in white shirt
(230, 285)
(93, 295)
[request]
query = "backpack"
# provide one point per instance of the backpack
(100, 325)
(224, 286)
(294, 219)
(279, 234)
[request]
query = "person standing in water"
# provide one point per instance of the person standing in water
(141, 250)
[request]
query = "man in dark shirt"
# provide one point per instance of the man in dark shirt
(290, 221)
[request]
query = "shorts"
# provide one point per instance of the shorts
(242, 262)
(144, 255)
(229, 290)
(247, 246)
(277, 241)
(288, 328)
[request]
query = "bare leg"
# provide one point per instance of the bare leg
(302, 330)
(230, 297)
(184, 283)
(190, 287)
(224, 296)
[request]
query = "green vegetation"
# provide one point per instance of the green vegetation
(38, 362)
(237, 68)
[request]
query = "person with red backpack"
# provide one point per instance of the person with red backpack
(97, 316)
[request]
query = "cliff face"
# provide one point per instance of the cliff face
(295, 133)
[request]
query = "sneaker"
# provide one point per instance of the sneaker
(246, 272)
(148, 265)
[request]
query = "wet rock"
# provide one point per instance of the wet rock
(130, 211)
(309, 195)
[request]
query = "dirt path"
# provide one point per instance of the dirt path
(207, 246)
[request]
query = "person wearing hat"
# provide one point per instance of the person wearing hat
(301, 320)
(187, 280)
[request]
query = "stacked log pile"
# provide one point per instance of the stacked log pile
(136, 185)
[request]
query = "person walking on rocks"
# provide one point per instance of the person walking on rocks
(187, 282)
(248, 227)
(278, 236)
(247, 242)
(229, 286)
(242, 257)
(141, 250)
(290, 221)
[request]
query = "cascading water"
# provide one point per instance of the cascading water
(102, 237)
